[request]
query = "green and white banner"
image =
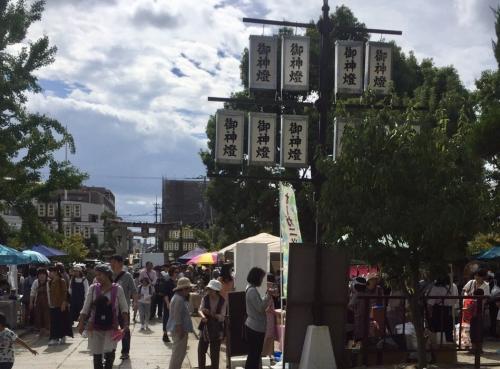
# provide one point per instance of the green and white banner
(289, 228)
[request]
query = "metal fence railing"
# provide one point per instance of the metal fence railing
(451, 323)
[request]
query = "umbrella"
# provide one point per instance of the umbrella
(36, 257)
(48, 251)
(191, 254)
(10, 256)
(490, 254)
(206, 258)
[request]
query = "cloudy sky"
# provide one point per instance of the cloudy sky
(131, 77)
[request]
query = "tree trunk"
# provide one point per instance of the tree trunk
(417, 318)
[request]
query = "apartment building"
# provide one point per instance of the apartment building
(81, 212)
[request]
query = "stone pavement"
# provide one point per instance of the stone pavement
(148, 351)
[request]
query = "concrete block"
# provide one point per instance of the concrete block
(318, 350)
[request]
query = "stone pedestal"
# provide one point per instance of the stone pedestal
(318, 350)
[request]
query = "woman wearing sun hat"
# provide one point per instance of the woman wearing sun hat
(179, 322)
(212, 311)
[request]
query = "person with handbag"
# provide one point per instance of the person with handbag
(256, 322)
(103, 304)
(212, 312)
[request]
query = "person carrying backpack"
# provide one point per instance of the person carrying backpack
(103, 304)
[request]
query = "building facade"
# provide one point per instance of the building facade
(184, 208)
(78, 211)
(184, 202)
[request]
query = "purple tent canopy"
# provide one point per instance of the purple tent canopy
(191, 254)
(48, 251)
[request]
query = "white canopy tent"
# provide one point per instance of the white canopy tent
(273, 243)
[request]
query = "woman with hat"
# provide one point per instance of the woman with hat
(78, 288)
(179, 322)
(212, 311)
(104, 301)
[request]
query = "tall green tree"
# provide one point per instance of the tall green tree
(407, 201)
(486, 138)
(28, 140)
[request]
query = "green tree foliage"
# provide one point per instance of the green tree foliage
(486, 138)
(483, 242)
(75, 247)
(110, 230)
(28, 140)
(405, 200)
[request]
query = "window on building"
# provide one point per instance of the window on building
(77, 210)
(67, 230)
(51, 210)
(187, 234)
(67, 210)
(174, 234)
(171, 246)
(41, 210)
(86, 232)
(93, 218)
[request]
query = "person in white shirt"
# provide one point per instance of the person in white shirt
(440, 310)
(145, 291)
(479, 282)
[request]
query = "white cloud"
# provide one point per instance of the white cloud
(140, 71)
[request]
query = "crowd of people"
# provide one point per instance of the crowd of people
(104, 299)
(451, 311)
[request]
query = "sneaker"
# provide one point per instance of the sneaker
(124, 357)
(142, 327)
(165, 337)
(53, 342)
(62, 341)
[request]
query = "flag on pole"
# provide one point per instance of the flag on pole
(289, 228)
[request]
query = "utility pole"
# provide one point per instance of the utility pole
(156, 205)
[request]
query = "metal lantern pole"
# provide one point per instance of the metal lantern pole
(324, 103)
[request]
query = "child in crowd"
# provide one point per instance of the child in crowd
(146, 291)
(7, 340)
(137, 285)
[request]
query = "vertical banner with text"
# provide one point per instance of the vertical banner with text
(349, 67)
(378, 64)
(263, 63)
(229, 131)
(295, 63)
(262, 139)
(294, 141)
(289, 228)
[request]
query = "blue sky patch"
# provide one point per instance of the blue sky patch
(179, 73)
(61, 88)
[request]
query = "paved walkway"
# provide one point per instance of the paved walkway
(148, 351)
